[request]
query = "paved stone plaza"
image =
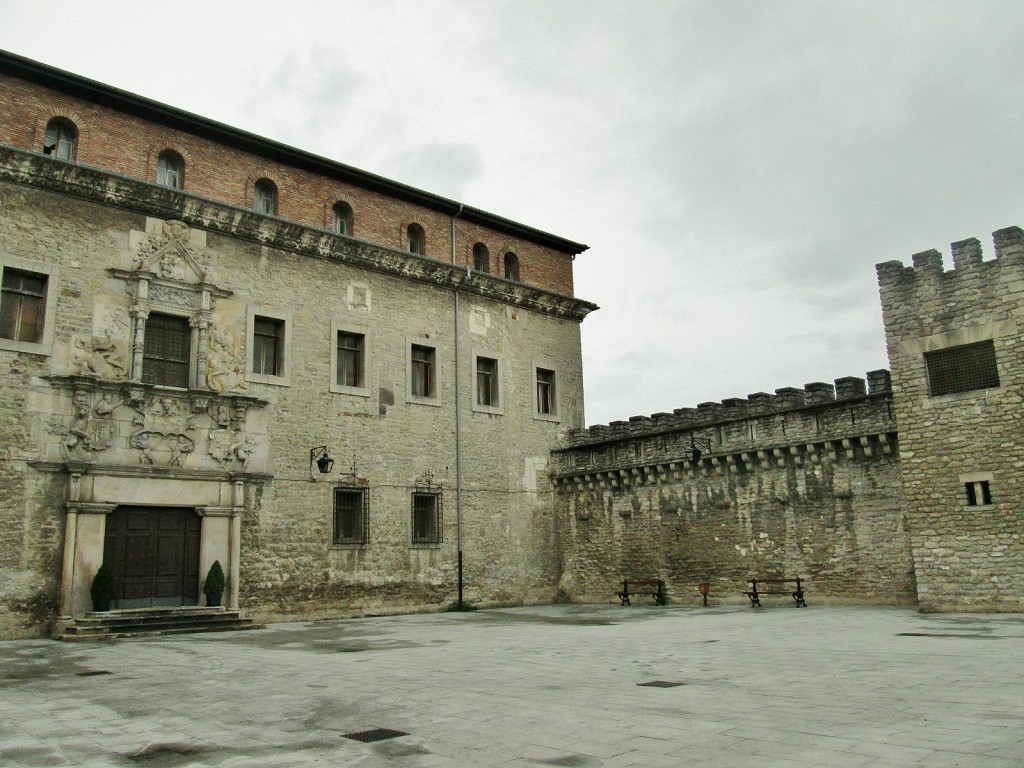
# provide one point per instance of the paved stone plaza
(556, 686)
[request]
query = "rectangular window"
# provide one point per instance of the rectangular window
(978, 493)
(267, 345)
(546, 394)
(423, 383)
(487, 381)
(351, 355)
(22, 301)
(962, 369)
(168, 350)
(351, 515)
(426, 518)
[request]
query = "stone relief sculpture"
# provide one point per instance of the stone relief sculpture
(225, 371)
(91, 428)
(162, 439)
(102, 358)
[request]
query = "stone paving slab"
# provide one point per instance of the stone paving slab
(538, 686)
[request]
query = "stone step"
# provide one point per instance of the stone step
(141, 622)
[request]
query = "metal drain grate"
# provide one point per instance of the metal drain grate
(93, 673)
(375, 734)
(660, 684)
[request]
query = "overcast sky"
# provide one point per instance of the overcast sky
(737, 168)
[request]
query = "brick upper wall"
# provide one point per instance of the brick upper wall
(130, 145)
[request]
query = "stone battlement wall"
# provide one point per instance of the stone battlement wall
(805, 483)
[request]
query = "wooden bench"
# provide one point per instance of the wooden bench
(658, 594)
(777, 588)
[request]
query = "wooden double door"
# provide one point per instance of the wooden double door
(153, 556)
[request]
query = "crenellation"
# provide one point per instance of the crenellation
(850, 387)
(966, 253)
(1009, 242)
(879, 382)
(818, 392)
(928, 262)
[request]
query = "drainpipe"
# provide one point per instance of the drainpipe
(458, 422)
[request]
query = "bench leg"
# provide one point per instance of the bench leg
(799, 597)
(755, 601)
(624, 597)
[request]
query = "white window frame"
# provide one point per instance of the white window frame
(52, 274)
(344, 325)
(283, 379)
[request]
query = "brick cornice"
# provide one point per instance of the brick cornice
(34, 170)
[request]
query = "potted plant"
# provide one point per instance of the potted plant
(102, 589)
(213, 587)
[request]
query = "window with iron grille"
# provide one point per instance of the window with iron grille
(545, 391)
(962, 369)
(267, 345)
(22, 300)
(426, 518)
(351, 515)
(487, 382)
(422, 383)
(351, 356)
(168, 350)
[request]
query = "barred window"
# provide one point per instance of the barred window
(168, 350)
(22, 299)
(426, 518)
(351, 515)
(962, 369)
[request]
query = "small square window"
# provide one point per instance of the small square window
(426, 518)
(963, 368)
(267, 345)
(546, 394)
(423, 382)
(167, 351)
(978, 493)
(487, 382)
(22, 304)
(351, 515)
(350, 359)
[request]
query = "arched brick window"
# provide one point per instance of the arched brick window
(61, 139)
(170, 170)
(342, 218)
(264, 197)
(511, 266)
(481, 258)
(417, 239)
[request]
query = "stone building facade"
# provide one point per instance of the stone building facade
(359, 396)
(805, 482)
(955, 341)
(178, 351)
